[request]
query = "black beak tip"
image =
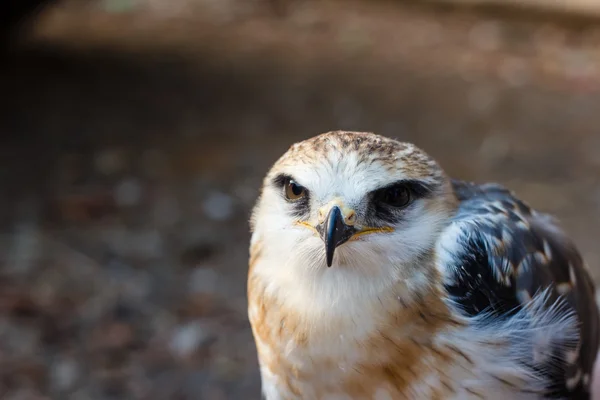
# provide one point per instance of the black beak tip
(335, 233)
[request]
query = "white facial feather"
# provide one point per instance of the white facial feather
(294, 256)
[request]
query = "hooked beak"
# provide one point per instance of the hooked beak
(334, 232)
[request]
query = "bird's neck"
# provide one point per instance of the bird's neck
(334, 301)
(350, 335)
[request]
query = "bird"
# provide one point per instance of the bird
(373, 274)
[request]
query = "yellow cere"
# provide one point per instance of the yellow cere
(366, 231)
(307, 225)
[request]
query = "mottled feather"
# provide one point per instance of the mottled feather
(508, 255)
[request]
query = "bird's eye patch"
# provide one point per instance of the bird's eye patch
(388, 200)
(395, 196)
(294, 193)
(402, 193)
(291, 189)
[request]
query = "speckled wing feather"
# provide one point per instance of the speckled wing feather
(505, 253)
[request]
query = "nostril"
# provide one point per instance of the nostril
(350, 218)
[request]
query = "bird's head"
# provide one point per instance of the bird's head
(352, 201)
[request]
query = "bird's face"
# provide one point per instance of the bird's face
(350, 200)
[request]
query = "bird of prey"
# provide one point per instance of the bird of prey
(373, 275)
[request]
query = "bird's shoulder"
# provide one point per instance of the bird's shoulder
(498, 255)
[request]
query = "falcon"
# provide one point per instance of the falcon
(374, 275)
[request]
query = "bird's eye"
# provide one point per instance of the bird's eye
(293, 191)
(395, 196)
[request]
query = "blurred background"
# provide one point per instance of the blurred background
(135, 135)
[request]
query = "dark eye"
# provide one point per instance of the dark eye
(395, 196)
(293, 191)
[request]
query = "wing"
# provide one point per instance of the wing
(499, 254)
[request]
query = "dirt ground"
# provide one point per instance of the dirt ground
(135, 138)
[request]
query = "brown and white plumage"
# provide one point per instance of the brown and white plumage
(437, 289)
